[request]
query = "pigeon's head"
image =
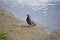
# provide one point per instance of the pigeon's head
(28, 15)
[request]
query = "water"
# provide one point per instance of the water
(47, 14)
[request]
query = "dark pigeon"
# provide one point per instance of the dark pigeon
(29, 21)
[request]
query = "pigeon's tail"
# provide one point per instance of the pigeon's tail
(33, 23)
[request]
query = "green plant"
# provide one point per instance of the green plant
(3, 36)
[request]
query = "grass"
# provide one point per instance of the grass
(3, 35)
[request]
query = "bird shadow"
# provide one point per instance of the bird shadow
(26, 26)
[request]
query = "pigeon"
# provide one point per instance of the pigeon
(29, 21)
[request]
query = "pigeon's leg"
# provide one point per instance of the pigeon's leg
(30, 26)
